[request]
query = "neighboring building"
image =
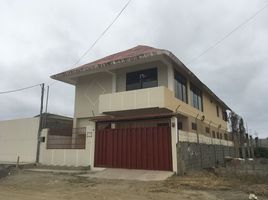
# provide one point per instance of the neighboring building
(56, 121)
(145, 109)
(18, 137)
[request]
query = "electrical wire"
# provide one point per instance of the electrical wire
(21, 89)
(103, 33)
(228, 34)
(100, 36)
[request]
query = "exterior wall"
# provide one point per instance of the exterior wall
(69, 157)
(87, 93)
(186, 109)
(199, 151)
(134, 99)
(18, 138)
(121, 74)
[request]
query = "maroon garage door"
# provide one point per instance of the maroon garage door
(134, 148)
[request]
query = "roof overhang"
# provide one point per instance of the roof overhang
(71, 76)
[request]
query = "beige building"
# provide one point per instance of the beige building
(144, 99)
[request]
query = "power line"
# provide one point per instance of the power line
(100, 36)
(228, 34)
(21, 89)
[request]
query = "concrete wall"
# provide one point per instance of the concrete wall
(87, 93)
(208, 152)
(18, 138)
(263, 142)
(69, 157)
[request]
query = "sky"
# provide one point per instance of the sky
(42, 38)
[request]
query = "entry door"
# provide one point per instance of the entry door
(134, 148)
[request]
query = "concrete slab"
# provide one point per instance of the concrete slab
(129, 174)
(64, 171)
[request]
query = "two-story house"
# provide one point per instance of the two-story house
(142, 102)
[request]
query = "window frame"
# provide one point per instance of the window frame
(141, 79)
(196, 99)
(194, 126)
(218, 111)
(180, 85)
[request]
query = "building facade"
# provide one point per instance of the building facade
(146, 110)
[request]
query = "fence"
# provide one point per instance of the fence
(66, 138)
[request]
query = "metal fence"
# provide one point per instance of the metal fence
(66, 138)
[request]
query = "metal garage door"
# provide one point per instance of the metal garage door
(134, 148)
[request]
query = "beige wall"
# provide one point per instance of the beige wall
(87, 93)
(90, 87)
(69, 157)
(18, 138)
(90, 96)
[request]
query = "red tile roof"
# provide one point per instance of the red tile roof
(136, 52)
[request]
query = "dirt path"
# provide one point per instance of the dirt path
(46, 186)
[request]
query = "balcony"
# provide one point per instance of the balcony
(152, 100)
(149, 98)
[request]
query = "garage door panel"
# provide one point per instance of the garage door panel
(134, 148)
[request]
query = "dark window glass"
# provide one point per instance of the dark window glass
(180, 87)
(207, 130)
(142, 79)
(218, 135)
(225, 136)
(224, 115)
(197, 100)
(163, 124)
(218, 112)
(194, 127)
(179, 125)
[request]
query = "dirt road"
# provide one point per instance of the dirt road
(46, 186)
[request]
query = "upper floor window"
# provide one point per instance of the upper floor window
(142, 79)
(218, 111)
(224, 116)
(180, 87)
(197, 100)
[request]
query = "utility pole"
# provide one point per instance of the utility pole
(40, 123)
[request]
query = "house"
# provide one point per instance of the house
(144, 109)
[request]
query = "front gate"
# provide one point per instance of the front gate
(134, 148)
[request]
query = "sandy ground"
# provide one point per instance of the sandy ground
(202, 185)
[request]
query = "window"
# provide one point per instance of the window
(142, 79)
(207, 130)
(218, 112)
(225, 136)
(218, 135)
(163, 124)
(194, 126)
(197, 100)
(224, 115)
(213, 134)
(179, 124)
(180, 87)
